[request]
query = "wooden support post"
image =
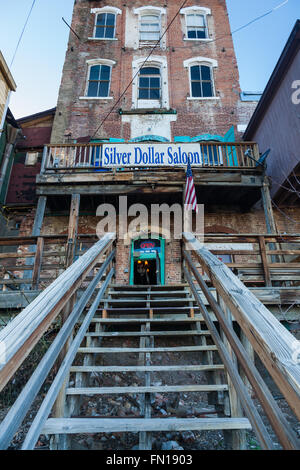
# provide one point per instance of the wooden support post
(264, 259)
(267, 205)
(37, 263)
(235, 439)
(39, 216)
(248, 347)
(72, 229)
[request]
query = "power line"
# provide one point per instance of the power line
(23, 30)
(152, 50)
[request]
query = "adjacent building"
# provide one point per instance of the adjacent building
(275, 124)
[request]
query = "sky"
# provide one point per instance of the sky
(38, 64)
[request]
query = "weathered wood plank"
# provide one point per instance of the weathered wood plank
(145, 350)
(90, 369)
(152, 389)
(94, 425)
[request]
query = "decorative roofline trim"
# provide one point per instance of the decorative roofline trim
(202, 60)
(101, 61)
(149, 8)
(106, 9)
(186, 10)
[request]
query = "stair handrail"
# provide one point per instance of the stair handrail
(20, 336)
(270, 340)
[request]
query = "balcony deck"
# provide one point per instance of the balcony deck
(80, 167)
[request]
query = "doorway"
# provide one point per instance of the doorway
(147, 266)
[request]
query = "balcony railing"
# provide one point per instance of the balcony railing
(89, 157)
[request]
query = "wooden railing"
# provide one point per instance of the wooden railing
(260, 332)
(19, 337)
(88, 157)
(32, 263)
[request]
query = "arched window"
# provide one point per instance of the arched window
(149, 84)
(105, 22)
(196, 25)
(98, 79)
(105, 26)
(201, 81)
(150, 24)
(149, 28)
(201, 77)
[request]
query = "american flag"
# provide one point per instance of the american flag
(190, 201)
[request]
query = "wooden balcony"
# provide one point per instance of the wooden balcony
(85, 158)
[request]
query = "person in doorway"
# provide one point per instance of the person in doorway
(143, 272)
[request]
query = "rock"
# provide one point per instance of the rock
(171, 445)
(135, 447)
(163, 412)
(118, 379)
(157, 384)
(188, 436)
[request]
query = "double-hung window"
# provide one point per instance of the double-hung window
(201, 81)
(149, 84)
(99, 81)
(150, 28)
(105, 26)
(196, 26)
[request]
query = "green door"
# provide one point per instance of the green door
(147, 261)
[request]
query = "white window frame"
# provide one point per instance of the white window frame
(145, 11)
(154, 61)
(98, 11)
(90, 64)
(200, 11)
(212, 63)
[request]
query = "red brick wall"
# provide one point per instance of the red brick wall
(81, 118)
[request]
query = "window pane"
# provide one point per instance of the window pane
(154, 94)
(100, 32)
(105, 72)
(94, 72)
(110, 19)
(190, 20)
(93, 89)
(205, 73)
(207, 89)
(109, 32)
(144, 82)
(150, 71)
(196, 89)
(143, 94)
(195, 72)
(192, 34)
(101, 19)
(103, 89)
(149, 18)
(201, 33)
(149, 36)
(155, 82)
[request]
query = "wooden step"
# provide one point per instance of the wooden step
(116, 334)
(182, 368)
(151, 389)
(108, 425)
(125, 320)
(151, 301)
(146, 350)
(146, 293)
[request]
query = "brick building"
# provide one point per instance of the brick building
(141, 78)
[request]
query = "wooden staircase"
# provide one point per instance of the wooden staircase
(151, 318)
(162, 341)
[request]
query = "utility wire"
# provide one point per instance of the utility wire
(23, 30)
(149, 55)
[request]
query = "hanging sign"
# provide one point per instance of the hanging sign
(153, 154)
